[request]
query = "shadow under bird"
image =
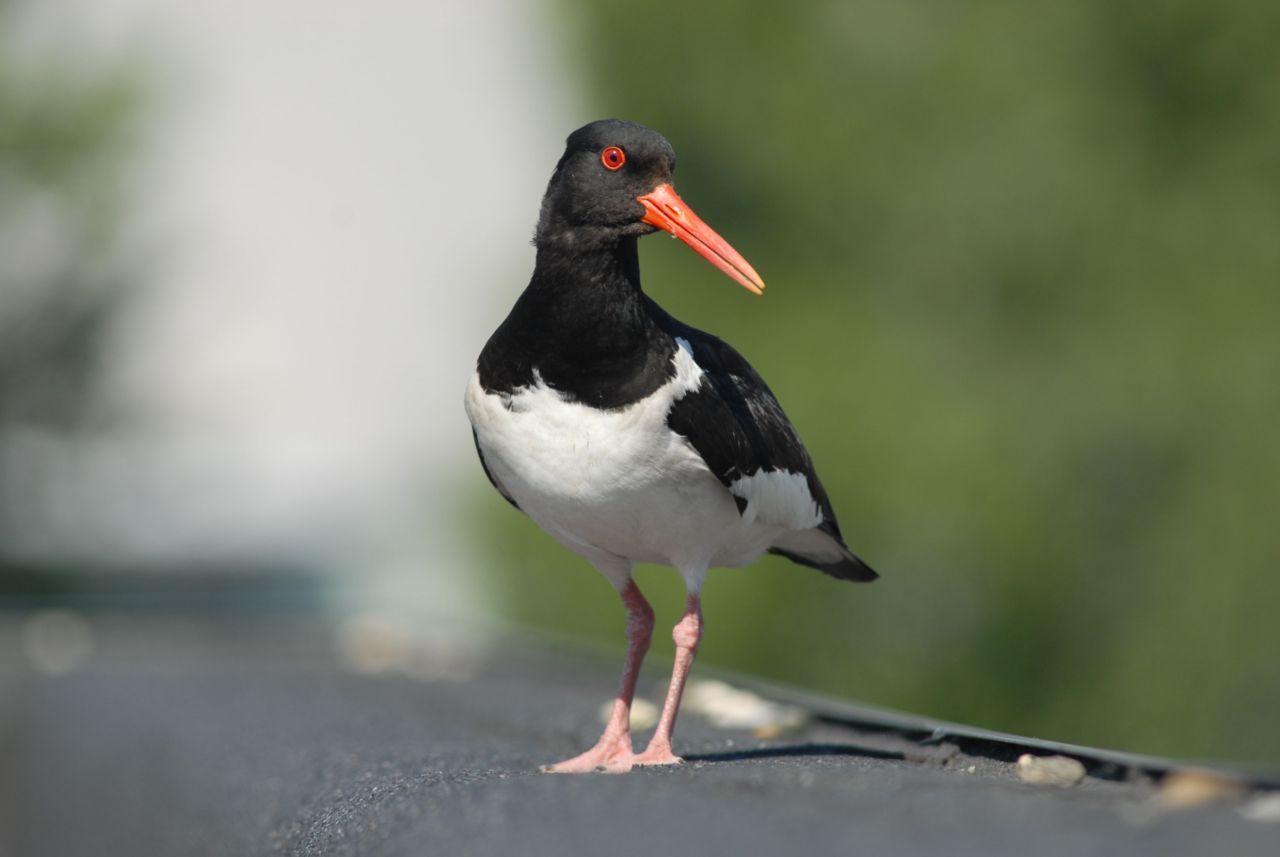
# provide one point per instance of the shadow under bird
(629, 436)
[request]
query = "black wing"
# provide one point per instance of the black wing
(735, 423)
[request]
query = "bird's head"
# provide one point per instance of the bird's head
(613, 181)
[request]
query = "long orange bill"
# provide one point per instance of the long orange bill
(667, 211)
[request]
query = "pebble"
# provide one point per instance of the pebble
(1050, 770)
(1189, 788)
(1264, 808)
(728, 707)
(644, 714)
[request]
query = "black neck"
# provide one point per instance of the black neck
(583, 324)
(592, 290)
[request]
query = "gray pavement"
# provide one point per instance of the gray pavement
(272, 748)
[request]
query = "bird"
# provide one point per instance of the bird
(631, 437)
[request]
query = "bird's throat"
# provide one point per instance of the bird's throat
(588, 297)
(583, 327)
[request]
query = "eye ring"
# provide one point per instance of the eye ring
(613, 158)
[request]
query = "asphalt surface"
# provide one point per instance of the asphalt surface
(182, 743)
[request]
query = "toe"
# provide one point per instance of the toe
(611, 759)
(657, 757)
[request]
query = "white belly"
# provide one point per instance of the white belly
(614, 484)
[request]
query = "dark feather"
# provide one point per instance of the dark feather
(736, 425)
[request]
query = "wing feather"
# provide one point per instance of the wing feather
(734, 422)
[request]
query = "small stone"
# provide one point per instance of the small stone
(1264, 808)
(56, 642)
(644, 714)
(384, 642)
(1189, 788)
(728, 707)
(1050, 770)
(374, 643)
(930, 754)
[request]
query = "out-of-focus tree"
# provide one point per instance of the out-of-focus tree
(64, 135)
(1023, 303)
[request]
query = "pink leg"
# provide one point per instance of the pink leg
(613, 751)
(687, 634)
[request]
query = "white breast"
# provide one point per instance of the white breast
(616, 483)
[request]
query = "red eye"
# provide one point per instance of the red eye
(613, 158)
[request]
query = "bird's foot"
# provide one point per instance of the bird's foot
(607, 757)
(659, 755)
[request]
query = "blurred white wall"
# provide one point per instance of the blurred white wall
(333, 209)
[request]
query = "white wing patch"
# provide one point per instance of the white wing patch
(778, 497)
(688, 372)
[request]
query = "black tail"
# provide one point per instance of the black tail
(848, 567)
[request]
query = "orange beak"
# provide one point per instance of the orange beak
(667, 211)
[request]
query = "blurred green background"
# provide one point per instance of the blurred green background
(1024, 265)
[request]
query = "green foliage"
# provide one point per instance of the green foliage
(63, 135)
(1040, 244)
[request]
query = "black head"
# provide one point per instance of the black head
(613, 182)
(606, 166)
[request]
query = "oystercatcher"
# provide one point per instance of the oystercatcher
(631, 437)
